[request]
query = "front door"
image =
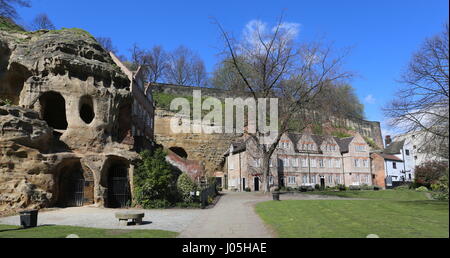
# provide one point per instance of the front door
(322, 183)
(256, 181)
(243, 184)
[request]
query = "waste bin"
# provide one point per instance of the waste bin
(276, 196)
(28, 219)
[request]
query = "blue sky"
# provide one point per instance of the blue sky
(383, 33)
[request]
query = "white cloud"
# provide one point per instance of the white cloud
(255, 29)
(369, 99)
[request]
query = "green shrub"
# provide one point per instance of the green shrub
(5, 102)
(341, 187)
(440, 189)
(185, 186)
(429, 173)
(402, 187)
(247, 189)
(355, 187)
(154, 181)
(376, 188)
(422, 189)
(317, 187)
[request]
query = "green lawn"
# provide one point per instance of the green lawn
(7, 231)
(389, 215)
(395, 195)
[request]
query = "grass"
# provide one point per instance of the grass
(397, 195)
(389, 214)
(53, 231)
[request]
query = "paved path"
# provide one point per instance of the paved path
(232, 217)
(166, 219)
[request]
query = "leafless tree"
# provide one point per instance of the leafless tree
(8, 10)
(184, 67)
(107, 44)
(422, 104)
(278, 67)
(42, 22)
(154, 61)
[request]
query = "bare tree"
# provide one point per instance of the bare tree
(422, 104)
(42, 22)
(153, 61)
(8, 10)
(107, 44)
(277, 67)
(184, 67)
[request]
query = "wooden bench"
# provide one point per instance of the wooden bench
(124, 216)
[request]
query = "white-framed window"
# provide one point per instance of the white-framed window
(270, 163)
(295, 162)
(357, 178)
(305, 179)
(330, 163)
(321, 163)
(291, 179)
(360, 148)
(257, 163)
(285, 162)
(271, 180)
(338, 179)
(356, 163)
(330, 179)
(313, 163)
(304, 163)
(366, 163)
(338, 163)
(313, 179)
(366, 179)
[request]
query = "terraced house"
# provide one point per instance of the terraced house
(301, 160)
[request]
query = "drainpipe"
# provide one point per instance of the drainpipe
(240, 173)
(343, 168)
(309, 168)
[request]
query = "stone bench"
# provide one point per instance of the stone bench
(124, 216)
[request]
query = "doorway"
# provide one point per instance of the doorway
(53, 110)
(322, 183)
(256, 183)
(243, 184)
(72, 184)
(119, 194)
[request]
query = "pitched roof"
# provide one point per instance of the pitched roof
(238, 146)
(294, 137)
(394, 147)
(390, 157)
(343, 143)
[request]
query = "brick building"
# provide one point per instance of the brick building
(301, 159)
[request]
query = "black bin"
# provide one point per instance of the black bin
(276, 196)
(28, 219)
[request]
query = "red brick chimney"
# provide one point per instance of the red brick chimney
(387, 140)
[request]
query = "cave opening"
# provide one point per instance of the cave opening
(179, 151)
(87, 113)
(53, 110)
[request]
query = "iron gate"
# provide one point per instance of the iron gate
(75, 191)
(119, 195)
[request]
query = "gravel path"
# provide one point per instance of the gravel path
(232, 217)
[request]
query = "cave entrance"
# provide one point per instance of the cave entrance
(87, 109)
(179, 151)
(119, 194)
(53, 110)
(72, 186)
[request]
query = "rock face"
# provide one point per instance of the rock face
(206, 148)
(62, 137)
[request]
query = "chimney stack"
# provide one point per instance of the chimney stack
(387, 140)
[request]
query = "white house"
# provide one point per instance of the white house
(400, 162)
